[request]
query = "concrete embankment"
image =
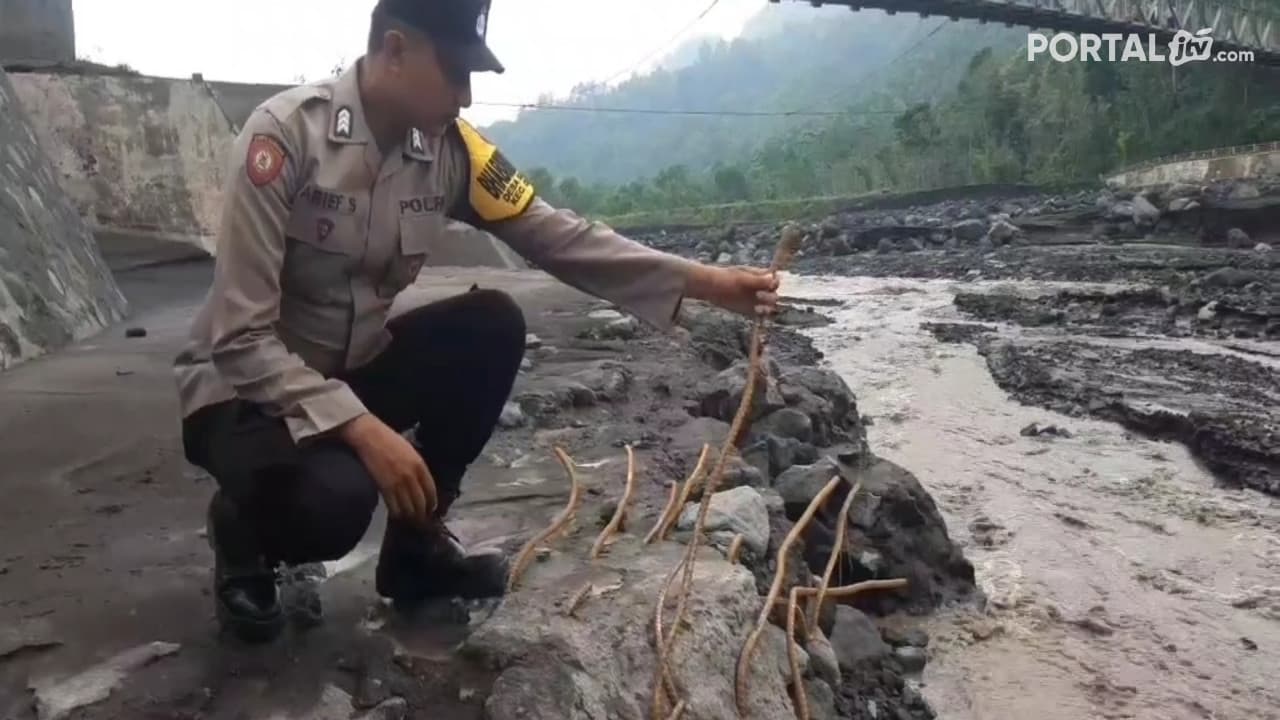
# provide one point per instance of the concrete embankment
(144, 160)
(54, 285)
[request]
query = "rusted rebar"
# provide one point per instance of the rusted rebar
(577, 599)
(842, 521)
(793, 657)
(621, 510)
(748, 648)
(735, 549)
(848, 591)
(561, 521)
(791, 237)
(672, 513)
(672, 497)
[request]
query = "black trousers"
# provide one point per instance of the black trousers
(448, 371)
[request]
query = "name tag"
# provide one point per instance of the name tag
(329, 200)
(424, 205)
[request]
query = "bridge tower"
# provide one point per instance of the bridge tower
(37, 32)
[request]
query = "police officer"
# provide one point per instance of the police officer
(295, 386)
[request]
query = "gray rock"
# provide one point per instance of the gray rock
(740, 510)
(1262, 248)
(526, 364)
(606, 315)
(609, 380)
(969, 230)
(532, 342)
(395, 708)
(1237, 238)
(56, 698)
(724, 259)
(912, 659)
(773, 501)
(1183, 204)
(985, 244)
(1144, 213)
(620, 329)
(856, 639)
(1244, 191)
(1002, 231)
(822, 700)
(822, 658)
(1120, 210)
(787, 423)
(913, 637)
(512, 416)
(1181, 191)
(800, 483)
(885, 246)
(722, 394)
(598, 665)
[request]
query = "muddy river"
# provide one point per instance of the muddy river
(1122, 581)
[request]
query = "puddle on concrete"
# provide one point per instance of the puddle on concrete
(1122, 582)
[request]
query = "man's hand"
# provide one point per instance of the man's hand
(402, 477)
(744, 290)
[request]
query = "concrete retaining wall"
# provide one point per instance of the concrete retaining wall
(55, 286)
(143, 159)
(239, 100)
(37, 31)
(1199, 170)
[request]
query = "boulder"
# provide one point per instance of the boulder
(741, 510)
(721, 395)
(895, 518)
(969, 230)
(856, 639)
(1144, 213)
(599, 665)
(1237, 238)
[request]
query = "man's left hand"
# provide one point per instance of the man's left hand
(744, 290)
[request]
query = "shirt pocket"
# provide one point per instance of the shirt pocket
(321, 253)
(417, 234)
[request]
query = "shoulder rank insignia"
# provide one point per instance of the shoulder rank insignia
(497, 190)
(342, 123)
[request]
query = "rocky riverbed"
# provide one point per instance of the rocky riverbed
(106, 606)
(1181, 280)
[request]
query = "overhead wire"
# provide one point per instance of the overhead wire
(711, 113)
(649, 56)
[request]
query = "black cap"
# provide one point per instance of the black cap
(458, 26)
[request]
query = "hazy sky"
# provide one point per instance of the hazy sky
(546, 45)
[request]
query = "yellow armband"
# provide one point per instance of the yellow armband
(497, 190)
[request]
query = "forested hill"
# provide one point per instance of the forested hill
(789, 58)
(917, 102)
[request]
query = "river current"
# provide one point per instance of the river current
(1122, 582)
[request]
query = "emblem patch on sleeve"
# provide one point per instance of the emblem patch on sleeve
(265, 160)
(497, 190)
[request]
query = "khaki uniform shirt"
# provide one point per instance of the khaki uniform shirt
(320, 231)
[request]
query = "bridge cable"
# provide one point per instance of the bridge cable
(664, 45)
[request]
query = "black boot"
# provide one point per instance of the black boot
(416, 565)
(244, 585)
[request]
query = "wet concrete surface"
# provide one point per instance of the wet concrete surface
(103, 527)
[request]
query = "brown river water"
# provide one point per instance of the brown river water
(1122, 583)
